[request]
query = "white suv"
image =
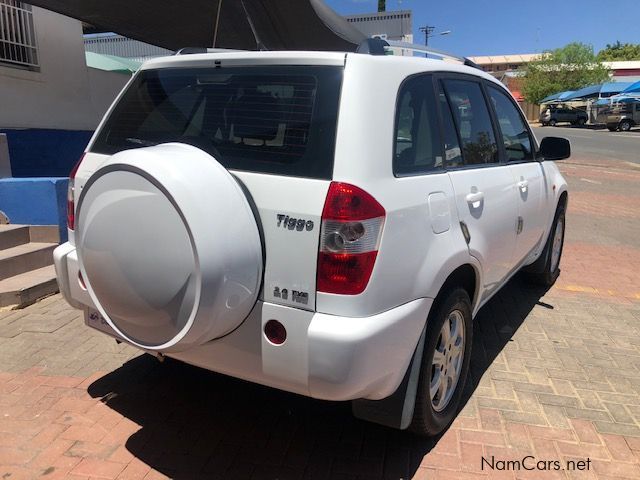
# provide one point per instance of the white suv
(322, 223)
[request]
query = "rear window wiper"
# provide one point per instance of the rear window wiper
(140, 141)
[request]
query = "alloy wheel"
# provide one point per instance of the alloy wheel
(447, 361)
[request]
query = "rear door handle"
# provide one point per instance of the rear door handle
(474, 197)
(523, 185)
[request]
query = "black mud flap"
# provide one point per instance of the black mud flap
(395, 411)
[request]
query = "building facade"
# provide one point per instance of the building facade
(508, 65)
(396, 26)
(50, 100)
(117, 45)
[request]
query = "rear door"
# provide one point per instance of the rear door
(518, 150)
(272, 126)
(484, 187)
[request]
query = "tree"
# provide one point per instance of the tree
(619, 52)
(571, 67)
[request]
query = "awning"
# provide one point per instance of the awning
(238, 24)
(112, 63)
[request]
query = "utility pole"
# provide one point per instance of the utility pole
(427, 30)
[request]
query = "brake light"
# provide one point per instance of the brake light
(71, 209)
(352, 222)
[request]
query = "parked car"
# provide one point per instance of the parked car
(554, 115)
(323, 223)
(621, 115)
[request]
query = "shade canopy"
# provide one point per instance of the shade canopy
(112, 63)
(237, 24)
(615, 87)
(556, 97)
(617, 99)
(589, 91)
(597, 90)
(633, 88)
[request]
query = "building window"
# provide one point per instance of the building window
(17, 35)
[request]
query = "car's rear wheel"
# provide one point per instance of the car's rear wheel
(445, 364)
(553, 122)
(546, 269)
(582, 121)
(625, 125)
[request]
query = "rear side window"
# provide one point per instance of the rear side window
(472, 118)
(417, 140)
(452, 151)
(278, 119)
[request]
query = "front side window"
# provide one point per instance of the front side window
(417, 140)
(17, 35)
(515, 134)
(473, 121)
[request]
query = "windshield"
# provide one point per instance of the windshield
(277, 119)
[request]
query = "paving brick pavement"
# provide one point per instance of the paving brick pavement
(555, 378)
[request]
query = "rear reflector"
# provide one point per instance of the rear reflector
(352, 222)
(275, 332)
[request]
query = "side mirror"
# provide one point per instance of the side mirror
(554, 148)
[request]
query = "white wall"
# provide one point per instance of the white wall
(64, 94)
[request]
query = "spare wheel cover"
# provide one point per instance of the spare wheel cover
(168, 246)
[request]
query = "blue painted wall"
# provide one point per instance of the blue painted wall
(35, 201)
(45, 153)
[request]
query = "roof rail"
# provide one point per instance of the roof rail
(376, 46)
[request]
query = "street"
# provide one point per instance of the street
(555, 376)
(597, 143)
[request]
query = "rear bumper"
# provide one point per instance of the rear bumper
(324, 356)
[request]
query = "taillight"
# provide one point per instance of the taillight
(352, 222)
(71, 209)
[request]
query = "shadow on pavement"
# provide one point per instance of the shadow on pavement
(198, 424)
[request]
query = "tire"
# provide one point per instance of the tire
(553, 122)
(625, 126)
(582, 121)
(546, 269)
(432, 415)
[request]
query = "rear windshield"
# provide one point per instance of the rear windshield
(276, 119)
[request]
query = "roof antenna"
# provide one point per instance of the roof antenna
(215, 32)
(259, 44)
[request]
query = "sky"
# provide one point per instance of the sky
(499, 27)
